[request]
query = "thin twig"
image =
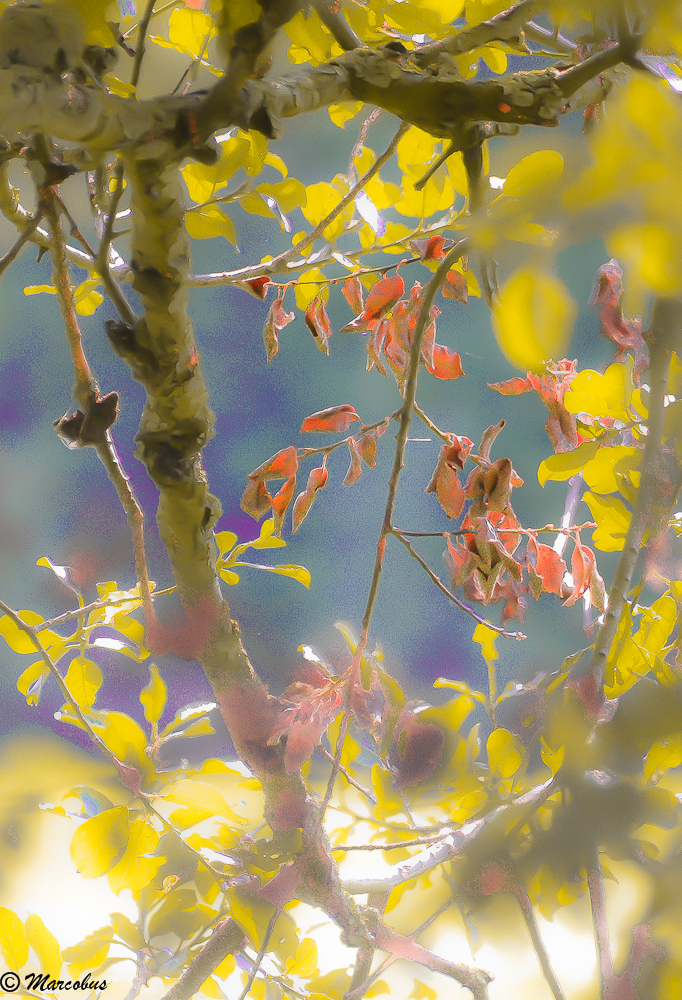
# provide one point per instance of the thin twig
(24, 238)
(349, 777)
(31, 631)
(595, 885)
(448, 593)
(139, 47)
(538, 944)
(401, 438)
(261, 954)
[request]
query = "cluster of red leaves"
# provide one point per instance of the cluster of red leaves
(257, 499)
(551, 388)
(483, 559)
(390, 323)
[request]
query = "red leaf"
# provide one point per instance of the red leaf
(429, 249)
(383, 296)
(317, 480)
(352, 292)
(455, 287)
(582, 565)
(446, 485)
(497, 484)
(447, 364)
(375, 343)
(283, 465)
(512, 387)
(626, 334)
(551, 388)
(317, 322)
(258, 286)
(256, 500)
(275, 321)
(549, 569)
(355, 467)
(282, 498)
(368, 449)
(330, 421)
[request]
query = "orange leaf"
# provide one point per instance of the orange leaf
(355, 467)
(258, 286)
(256, 500)
(447, 364)
(282, 498)
(275, 321)
(317, 321)
(368, 449)
(455, 287)
(283, 465)
(317, 480)
(352, 292)
(383, 296)
(330, 421)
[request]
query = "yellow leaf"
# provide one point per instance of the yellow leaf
(607, 395)
(200, 801)
(533, 174)
(289, 193)
(321, 199)
(310, 34)
(613, 521)
(421, 991)
(415, 150)
(605, 472)
(378, 987)
(275, 161)
(153, 696)
(532, 319)
(15, 637)
(307, 287)
(44, 944)
(37, 289)
(486, 637)
(299, 573)
(505, 753)
(342, 113)
(495, 59)
(31, 681)
(225, 540)
(651, 256)
(90, 952)
(304, 962)
(190, 30)
(552, 758)
(567, 463)
(126, 739)
(255, 205)
(664, 754)
(135, 870)
(83, 679)
(252, 914)
(87, 298)
(13, 940)
(209, 221)
(100, 842)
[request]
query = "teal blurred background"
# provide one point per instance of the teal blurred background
(59, 503)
